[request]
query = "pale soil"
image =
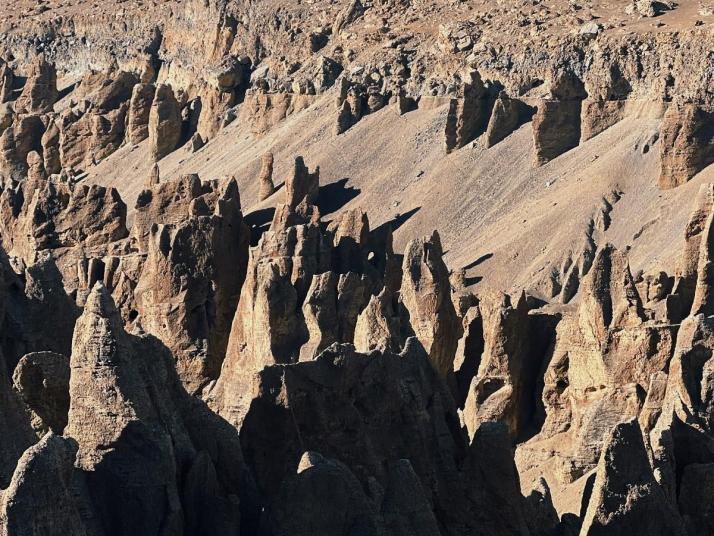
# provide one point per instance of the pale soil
(486, 203)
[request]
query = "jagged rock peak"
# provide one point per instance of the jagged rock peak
(626, 498)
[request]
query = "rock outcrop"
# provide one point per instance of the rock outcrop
(40, 92)
(625, 497)
(42, 381)
(265, 179)
(142, 97)
(188, 289)
(164, 123)
(687, 143)
(426, 294)
(160, 376)
(150, 441)
(557, 121)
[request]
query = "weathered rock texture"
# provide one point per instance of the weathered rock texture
(160, 376)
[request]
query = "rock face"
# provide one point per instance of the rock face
(265, 179)
(40, 92)
(150, 425)
(301, 185)
(345, 377)
(625, 496)
(508, 114)
(15, 419)
(40, 498)
(687, 145)
(556, 123)
(188, 300)
(7, 81)
(172, 368)
(502, 386)
(42, 380)
(142, 97)
(604, 357)
(164, 123)
(468, 116)
(426, 295)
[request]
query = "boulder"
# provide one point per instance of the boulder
(42, 381)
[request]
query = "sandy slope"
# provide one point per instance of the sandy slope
(488, 204)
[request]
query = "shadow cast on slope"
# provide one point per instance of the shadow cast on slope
(332, 197)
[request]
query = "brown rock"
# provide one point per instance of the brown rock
(40, 92)
(556, 123)
(426, 294)
(507, 115)
(604, 357)
(266, 330)
(107, 134)
(42, 380)
(265, 179)
(164, 203)
(51, 148)
(188, 289)
(686, 276)
(164, 123)
(320, 313)
(378, 325)
(301, 184)
(556, 129)
(502, 387)
(328, 390)
(703, 301)
(468, 116)
(137, 129)
(154, 177)
(686, 143)
(625, 498)
(42, 497)
(7, 82)
(134, 444)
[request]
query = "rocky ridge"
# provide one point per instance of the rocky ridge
(185, 365)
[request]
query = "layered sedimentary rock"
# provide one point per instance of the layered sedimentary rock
(468, 116)
(556, 123)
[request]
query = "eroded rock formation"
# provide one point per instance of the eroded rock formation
(158, 375)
